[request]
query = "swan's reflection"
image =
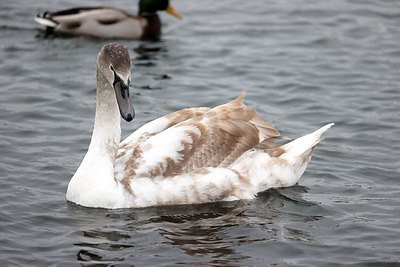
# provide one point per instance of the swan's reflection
(211, 232)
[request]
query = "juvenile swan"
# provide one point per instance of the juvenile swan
(193, 155)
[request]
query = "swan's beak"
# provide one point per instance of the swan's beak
(173, 12)
(124, 100)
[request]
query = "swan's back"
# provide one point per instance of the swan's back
(191, 139)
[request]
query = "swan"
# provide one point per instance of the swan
(108, 22)
(191, 156)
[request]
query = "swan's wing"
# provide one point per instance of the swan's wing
(214, 138)
(158, 125)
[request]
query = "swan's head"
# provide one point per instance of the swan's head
(114, 64)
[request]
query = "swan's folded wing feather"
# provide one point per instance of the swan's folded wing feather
(130, 148)
(158, 125)
(215, 138)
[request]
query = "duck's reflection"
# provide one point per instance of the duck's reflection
(214, 232)
(147, 55)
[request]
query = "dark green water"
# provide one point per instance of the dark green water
(302, 64)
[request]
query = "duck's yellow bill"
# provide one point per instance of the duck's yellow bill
(173, 12)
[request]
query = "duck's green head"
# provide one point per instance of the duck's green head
(152, 6)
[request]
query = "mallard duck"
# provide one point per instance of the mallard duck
(191, 156)
(108, 22)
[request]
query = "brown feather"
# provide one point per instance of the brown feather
(224, 134)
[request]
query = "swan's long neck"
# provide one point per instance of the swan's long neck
(94, 180)
(107, 131)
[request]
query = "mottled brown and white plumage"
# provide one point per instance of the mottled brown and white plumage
(194, 155)
(108, 22)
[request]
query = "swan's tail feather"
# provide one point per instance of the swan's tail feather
(303, 144)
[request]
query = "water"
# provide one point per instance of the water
(302, 63)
